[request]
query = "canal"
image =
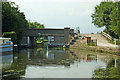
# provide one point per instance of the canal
(56, 63)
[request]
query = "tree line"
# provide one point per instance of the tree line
(14, 21)
(107, 14)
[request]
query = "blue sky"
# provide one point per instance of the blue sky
(61, 13)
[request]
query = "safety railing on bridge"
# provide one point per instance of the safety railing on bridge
(107, 36)
(110, 38)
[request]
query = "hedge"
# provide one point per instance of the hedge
(11, 35)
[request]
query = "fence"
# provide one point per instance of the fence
(110, 38)
(107, 36)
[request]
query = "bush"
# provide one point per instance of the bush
(113, 41)
(117, 42)
(91, 44)
(11, 35)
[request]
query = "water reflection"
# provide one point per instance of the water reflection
(112, 70)
(7, 60)
(44, 63)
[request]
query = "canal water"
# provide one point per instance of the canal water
(54, 63)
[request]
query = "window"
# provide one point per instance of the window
(3, 41)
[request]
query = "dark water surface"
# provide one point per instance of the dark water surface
(54, 63)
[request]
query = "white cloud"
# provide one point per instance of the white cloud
(79, 12)
(87, 12)
(59, 13)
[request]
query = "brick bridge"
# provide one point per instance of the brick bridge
(60, 36)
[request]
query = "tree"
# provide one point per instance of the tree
(13, 19)
(106, 15)
(35, 25)
(115, 19)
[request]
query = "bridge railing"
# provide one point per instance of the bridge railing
(107, 36)
(110, 38)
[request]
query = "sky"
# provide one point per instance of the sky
(61, 13)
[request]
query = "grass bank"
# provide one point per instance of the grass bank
(114, 51)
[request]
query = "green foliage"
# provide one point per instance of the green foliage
(118, 42)
(109, 72)
(82, 44)
(11, 35)
(13, 19)
(99, 73)
(38, 41)
(115, 19)
(91, 44)
(101, 15)
(45, 40)
(90, 55)
(106, 15)
(35, 25)
(39, 49)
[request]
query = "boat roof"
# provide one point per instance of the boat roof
(4, 38)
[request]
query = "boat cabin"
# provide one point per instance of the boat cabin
(4, 40)
(6, 45)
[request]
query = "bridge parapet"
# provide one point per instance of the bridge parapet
(61, 36)
(35, 32)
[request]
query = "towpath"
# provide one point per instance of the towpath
(101, 40)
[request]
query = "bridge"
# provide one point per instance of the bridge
(56, 37)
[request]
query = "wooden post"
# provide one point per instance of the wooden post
(96, 42)
(115, 63)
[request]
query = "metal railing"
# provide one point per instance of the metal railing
(107, 36)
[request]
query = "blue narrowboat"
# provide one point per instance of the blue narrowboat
(6, 45)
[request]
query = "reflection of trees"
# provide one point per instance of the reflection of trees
(36, 57)
(91, 57)
(111, 71)
(56, 57)
(16, 70)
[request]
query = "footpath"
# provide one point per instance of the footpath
(103, 45)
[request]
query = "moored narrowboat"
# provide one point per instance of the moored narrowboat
(6, 45)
